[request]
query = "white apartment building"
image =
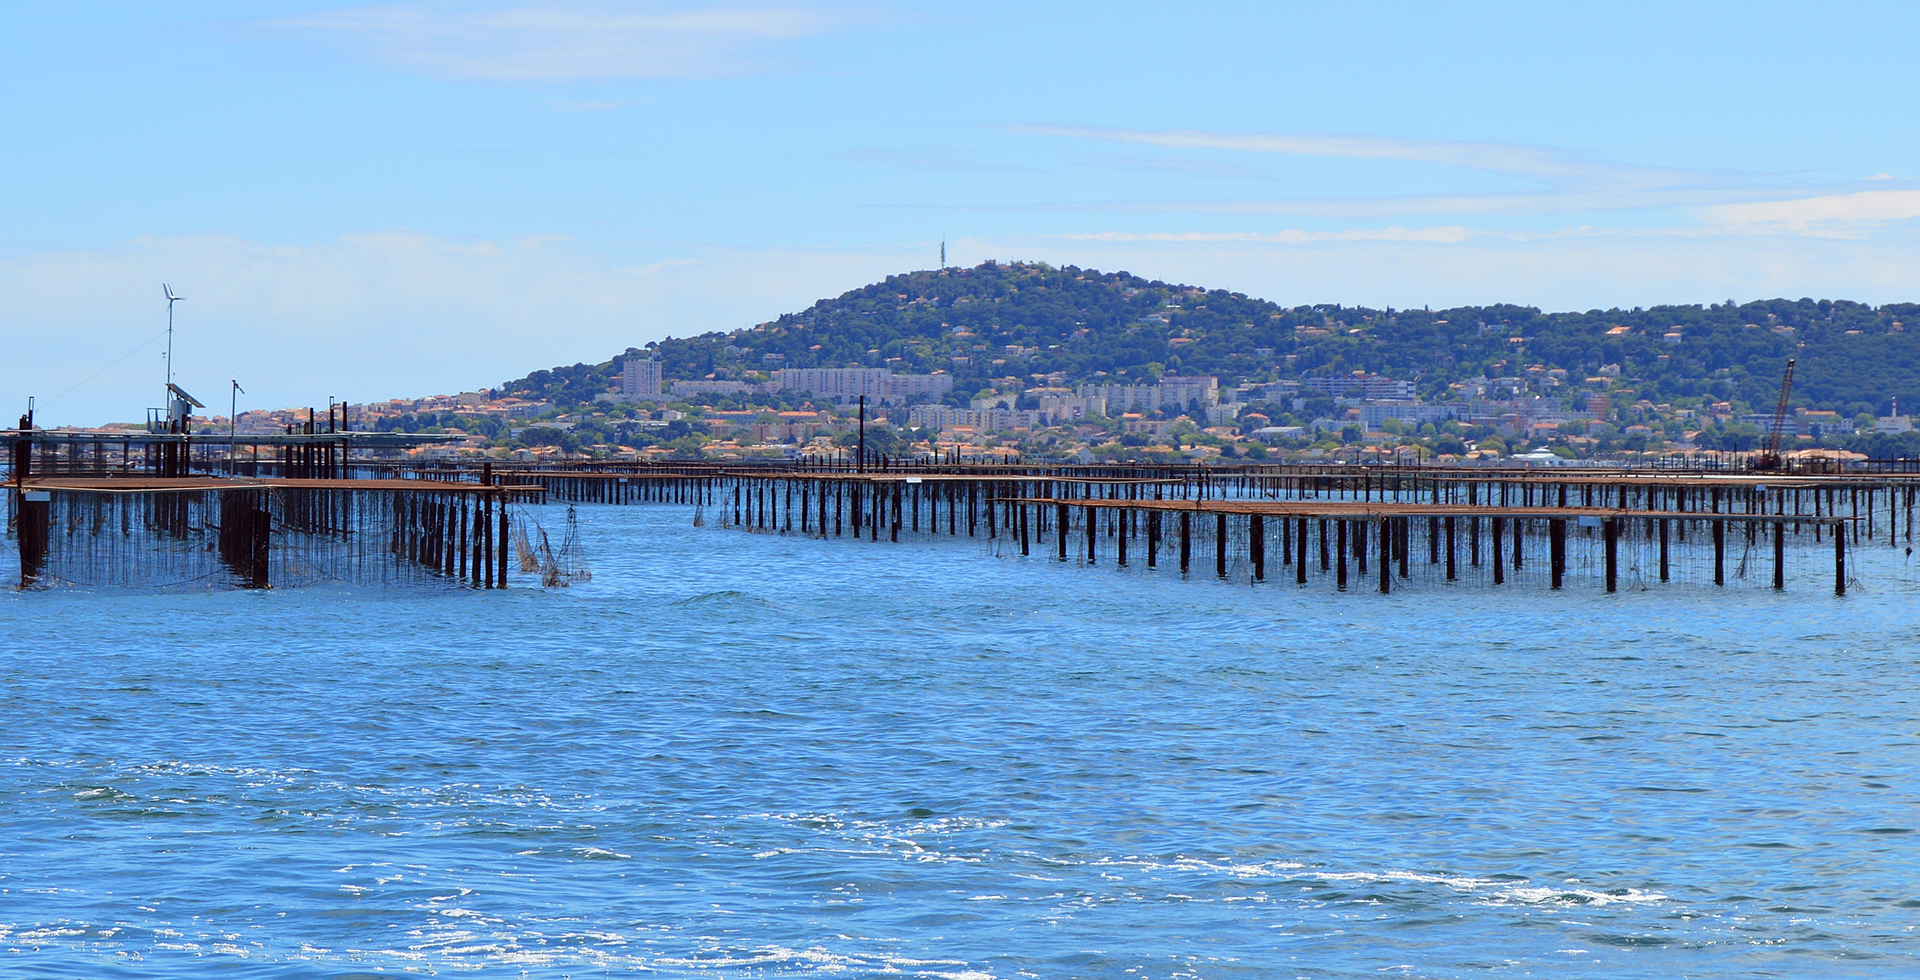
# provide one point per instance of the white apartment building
(1188, 391)
(720, 388)
(640, 379)
(989, 420)
(1173, 393)
(1371, 387)
(878, 385)
(901, 387)
(1371, 416)
(842, 385)
(1063, 406)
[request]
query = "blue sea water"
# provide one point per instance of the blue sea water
(735, 755)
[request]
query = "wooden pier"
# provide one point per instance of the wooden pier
(311, 508)
(1383, 528)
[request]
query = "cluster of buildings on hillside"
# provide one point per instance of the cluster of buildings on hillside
(1533, 404)
(367, 415)
(641, 379)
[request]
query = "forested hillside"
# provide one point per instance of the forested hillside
(1032, 322)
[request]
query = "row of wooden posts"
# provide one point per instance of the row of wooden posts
(463, 534)
(829, 506)
(460, 535)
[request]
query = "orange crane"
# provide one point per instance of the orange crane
(1769, 458)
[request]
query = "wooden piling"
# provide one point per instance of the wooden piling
(1300, 551)
(1719, 552)
(1663, 549)
(1220, 546)
(1499, 567)
(1386, 557)
(1153, 537)
(1257, 546)
(1840, 563)
(1610, 531)
(1557, 549)
(1340, 555)
(1780, 554)
(1063, 531)
(1186, 542)
(500, 566)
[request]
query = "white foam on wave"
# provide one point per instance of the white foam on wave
(52, 932)
(860, 838)
(599, 853)
(456, 939)
(1544, 895)
(1491, 891)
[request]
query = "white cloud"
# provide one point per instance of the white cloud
(1504, 158)
(588, 106)
(936, 158)
(1548, 181)
(1824, 214)
(1177, 165)
(1572, 202)
(568, 42)
(1288, 237)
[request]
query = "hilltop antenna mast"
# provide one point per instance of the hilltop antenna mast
(943, 251)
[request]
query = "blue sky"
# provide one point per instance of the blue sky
(393, 199)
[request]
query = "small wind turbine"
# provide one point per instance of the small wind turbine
(171, 299)
(233, 416)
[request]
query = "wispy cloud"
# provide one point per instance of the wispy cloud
(1687, 202)
(1826, 214)
(1545, 180)
(1178, 165)
(567, 42)
(1389, 207)
(1291, 236)
(587, 106)
(959, 161)
(1504, 158)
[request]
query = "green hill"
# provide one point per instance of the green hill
(1032, 322)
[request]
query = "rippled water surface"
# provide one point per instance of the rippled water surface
(746, 755)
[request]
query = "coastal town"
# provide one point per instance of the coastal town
(1528, 413)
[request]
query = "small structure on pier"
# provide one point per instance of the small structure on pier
(82, 514)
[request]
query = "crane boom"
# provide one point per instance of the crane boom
(1769, 458)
